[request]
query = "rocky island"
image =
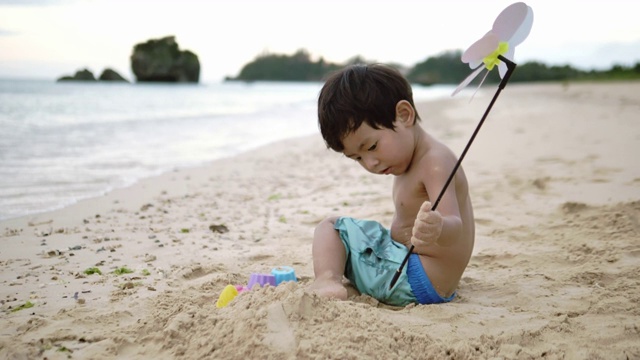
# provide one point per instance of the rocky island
(86, 75)
(157, 60)
(162, 60)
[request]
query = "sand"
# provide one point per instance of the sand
(555, 273)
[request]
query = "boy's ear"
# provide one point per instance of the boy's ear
(405, 113)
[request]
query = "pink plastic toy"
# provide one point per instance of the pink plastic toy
(278, 275)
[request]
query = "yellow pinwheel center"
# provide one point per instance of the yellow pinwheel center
(492, 60)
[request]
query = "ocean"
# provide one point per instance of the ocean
(63, 142)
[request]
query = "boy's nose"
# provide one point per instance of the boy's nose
(371, 162)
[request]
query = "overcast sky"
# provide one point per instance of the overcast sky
(50, 38)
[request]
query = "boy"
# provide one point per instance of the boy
(367, 113)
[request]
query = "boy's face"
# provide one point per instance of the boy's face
(381, 151)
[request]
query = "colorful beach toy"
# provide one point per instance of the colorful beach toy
(227, 294)
(284, 273)
(261, 279)
(278, 275)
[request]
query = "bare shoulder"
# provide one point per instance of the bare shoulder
(434, 170)
(439, 159)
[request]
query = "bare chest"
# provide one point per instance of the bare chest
(408, 195)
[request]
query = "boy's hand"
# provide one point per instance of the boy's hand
(427, 227)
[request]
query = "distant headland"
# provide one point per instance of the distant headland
(445, 68)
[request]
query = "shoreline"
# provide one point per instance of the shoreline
(150, 178)
(557, 202)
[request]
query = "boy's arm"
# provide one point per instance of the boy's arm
(442, 227)
(431, 228)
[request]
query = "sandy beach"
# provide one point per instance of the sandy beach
(555, 274)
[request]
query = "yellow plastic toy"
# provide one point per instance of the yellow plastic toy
(227, 294)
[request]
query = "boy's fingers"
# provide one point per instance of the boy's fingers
(423, 226)
(433, 218)
(426, 206)
(423, 231)
(415, 241)
(429, 216)
(422, 215)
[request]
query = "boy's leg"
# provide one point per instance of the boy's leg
(329, 259)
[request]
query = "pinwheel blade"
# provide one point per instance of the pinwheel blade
(502, 70)
(514, 23)
(479, 85)
(502, 67)
(468, 80)
(480, 49)
(523, 32)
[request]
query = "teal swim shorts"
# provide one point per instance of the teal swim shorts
(372, 260)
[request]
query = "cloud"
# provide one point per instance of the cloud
(585, 55)
(5, 32)
(618, 53)
(30, 2)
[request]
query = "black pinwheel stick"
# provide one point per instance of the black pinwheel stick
(510, 68)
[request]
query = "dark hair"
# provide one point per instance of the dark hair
(360, 93)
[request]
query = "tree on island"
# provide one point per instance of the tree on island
(277, 67)
(161, 60)
(444, 68)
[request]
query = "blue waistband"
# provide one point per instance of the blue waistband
(421, 285)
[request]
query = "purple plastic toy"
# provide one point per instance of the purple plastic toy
(261, 279)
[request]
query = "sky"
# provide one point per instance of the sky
(50, 38)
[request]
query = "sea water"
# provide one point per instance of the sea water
(62, 142)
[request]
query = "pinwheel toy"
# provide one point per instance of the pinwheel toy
(510, 29)
(497, 47)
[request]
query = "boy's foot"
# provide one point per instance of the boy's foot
(328, 288)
